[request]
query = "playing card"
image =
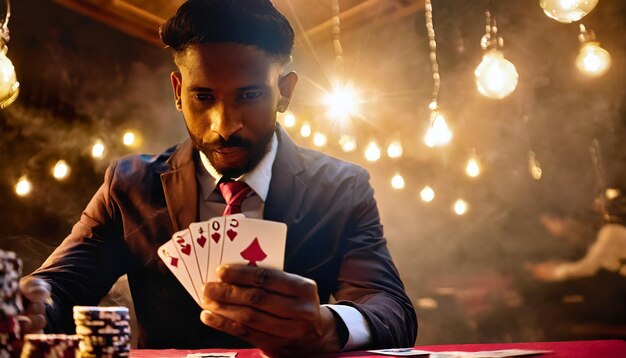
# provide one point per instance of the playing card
(184, 244)
(200, 239)
(254, 242)
(216, 228)
(170, 256)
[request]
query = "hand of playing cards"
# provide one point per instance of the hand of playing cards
(194, 254)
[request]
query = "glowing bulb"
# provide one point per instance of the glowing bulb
(394, 150)
(347, 143)
(472, 169)
(427, 194)
(341, 103)
(372, 152)
(61, 170)
(305, 130)
(592, 59)
(567, 11)
(97, 151)
(23, 186)
(534, 167)
(129, 138)
(496, 77)
(9, 87)
(460, 207)
(612, 193)
(289, 120)
(319, 139)
(397, 182)
(438, 133)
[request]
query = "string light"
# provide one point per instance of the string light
(534, 167)
(473, 167)
(319, 139)
(61, 170)
(438, 133)
(372, 152)
(461, 207)
(567, 11)
(592, 59)
(496, 77)
(397, 182)
(347, 143)
(23, 186)
(129, 138)
(289, 120)
(395, 150)
(97, 151)
(305, 130)
(612, 193)
(427, 194)
(9, 87)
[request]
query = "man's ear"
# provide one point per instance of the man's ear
(177, 83)
(286, 85)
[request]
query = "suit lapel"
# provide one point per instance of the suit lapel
(286, 188)
(180, 187)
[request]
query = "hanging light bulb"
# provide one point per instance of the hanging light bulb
(473, 167)
(460, 207)
(23, 186)
(305, 130)
(347, 143)
(372, 152)
(129, 138)
(289, 120)
(97, 151)
(427, 194)
(592, 59)
(397, 182)
(438, 134)
(534, 167)
(9, 87)
(394, 150)
(61, 170)
(342, 102)
(567, 11)
(319, 139)
(496, 77)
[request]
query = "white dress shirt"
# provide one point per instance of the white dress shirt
(211, 204)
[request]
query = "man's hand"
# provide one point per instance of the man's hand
(36, 292)
(545, 271)
(275, 311)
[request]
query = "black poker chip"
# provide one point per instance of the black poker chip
(50, 346)
(104, 331)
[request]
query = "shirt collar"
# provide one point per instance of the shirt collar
(258, 178)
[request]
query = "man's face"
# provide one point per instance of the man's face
(229, 94)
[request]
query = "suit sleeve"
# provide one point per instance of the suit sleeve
(368, 279)
(88, 262)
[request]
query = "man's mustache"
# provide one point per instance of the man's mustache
(234, 141)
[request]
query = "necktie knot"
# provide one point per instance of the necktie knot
(234, 192)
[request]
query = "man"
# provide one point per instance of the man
(230, 84)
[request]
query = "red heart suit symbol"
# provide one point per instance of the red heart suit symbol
(201, 241)
(216, 237)
(186, 249)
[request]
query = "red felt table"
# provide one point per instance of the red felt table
(573, 349)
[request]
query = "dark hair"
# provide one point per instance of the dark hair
(248, 22)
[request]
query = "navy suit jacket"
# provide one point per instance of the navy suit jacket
(334, 237)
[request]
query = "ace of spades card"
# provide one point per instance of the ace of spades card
(253, 242)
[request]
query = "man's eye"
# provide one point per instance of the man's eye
(250, 94)
(203, 97)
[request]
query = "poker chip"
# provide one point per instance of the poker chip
(103, 331)
(10, 301)
(50, 346)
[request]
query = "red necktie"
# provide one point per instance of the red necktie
(234, 192)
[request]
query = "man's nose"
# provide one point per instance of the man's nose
(225, 121)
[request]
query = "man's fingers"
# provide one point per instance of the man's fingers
(275, 304)
(35, 308)
(35, 289)
(249, 318)
(32, 323)
(269, 279)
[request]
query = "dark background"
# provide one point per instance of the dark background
(82, 81)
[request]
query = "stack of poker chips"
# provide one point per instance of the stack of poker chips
(104, 331)
(50, 346)
(10, 302)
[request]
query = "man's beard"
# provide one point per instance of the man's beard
(256, 153)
